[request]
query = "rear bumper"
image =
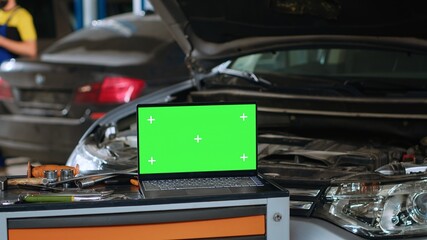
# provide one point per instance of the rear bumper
(44, 139)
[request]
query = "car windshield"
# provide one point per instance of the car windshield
(369, 72)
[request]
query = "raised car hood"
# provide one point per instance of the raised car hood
(211, 30)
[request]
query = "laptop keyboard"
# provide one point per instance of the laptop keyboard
(195, 183)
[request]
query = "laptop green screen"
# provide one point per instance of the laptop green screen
(196, 138)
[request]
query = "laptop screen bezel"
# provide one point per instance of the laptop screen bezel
(198, 174)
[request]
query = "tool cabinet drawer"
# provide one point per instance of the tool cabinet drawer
(236, 222)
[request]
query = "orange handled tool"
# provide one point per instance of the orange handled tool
(134, 181)
(33, 181)
(38, 171)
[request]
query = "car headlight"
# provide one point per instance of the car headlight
(117, 154)
(373, 209)
(88, 156)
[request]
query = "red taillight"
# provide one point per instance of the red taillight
(5, 90)
(96, 115)
(110, 90)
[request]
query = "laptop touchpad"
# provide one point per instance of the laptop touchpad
(210, 191)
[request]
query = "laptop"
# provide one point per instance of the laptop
(212, 144)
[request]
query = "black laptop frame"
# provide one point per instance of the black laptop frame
(222, 173)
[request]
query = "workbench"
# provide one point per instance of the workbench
(241, 216)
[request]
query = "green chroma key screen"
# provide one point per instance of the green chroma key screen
(196, 138)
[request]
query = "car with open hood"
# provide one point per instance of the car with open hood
(341, 93)
(46, 104)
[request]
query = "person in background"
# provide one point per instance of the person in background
(17, 32)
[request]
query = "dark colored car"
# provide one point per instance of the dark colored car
(47, 104)
(342, 105)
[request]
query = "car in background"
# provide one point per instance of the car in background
(341, 93)
(47, 104)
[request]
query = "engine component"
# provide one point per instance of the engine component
(401, 168)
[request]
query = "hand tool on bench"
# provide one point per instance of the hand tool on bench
(67, 196)
(38, 171)
(90, 180)
(5, 182)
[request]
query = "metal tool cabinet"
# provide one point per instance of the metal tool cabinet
(264, 216)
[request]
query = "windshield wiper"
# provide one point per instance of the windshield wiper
(245, 75)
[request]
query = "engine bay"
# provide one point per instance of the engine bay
(295, 159)
(286, 158)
